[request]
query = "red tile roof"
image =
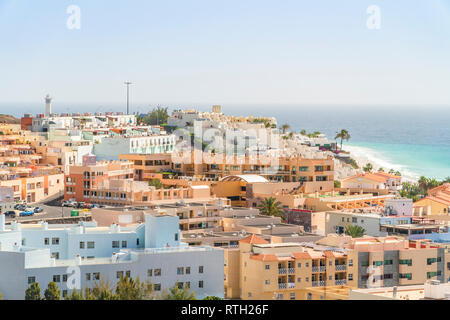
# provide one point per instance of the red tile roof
(254, 239)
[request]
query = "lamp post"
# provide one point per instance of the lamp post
(127, 83)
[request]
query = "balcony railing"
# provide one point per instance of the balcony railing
(282, 285)
(291, 270)
(340, 282)
(282, 270)
(323, 269)
(318, 284)
(341, 267)
(315, 269)
(291, 285)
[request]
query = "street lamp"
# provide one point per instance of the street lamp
(127, 83)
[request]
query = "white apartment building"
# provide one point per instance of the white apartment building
(151, 251)
(109, 148)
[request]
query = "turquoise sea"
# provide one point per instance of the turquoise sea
(414, 140)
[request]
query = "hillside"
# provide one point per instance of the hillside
(4, 118)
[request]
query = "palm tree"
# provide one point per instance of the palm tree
(368, 167)
(271, 207)
(343, 135)
(354, 231)
(303, 132)
(380, 170)
(285, 127)
(290, 135)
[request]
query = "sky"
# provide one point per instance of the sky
(226, 52)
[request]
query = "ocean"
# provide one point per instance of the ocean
(412, 140)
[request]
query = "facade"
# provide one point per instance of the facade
(81, 182)
(378, 180)
(437, 202)
(109, 148)
(28, 256)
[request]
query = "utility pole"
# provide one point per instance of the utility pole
(127, 83)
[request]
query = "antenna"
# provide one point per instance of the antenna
(127, 83)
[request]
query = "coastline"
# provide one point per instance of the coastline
(364, 155)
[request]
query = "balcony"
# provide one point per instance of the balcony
(291, 285)
(315, 269)
(282, 270)
(291, 270)
(318, 284)
(282, 285)
(341, 282)
(323, 269)
(341, 267)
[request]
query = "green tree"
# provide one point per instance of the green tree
(271, 207)
(343, 135)
(75, 295)
(155, 183)
(52, 292)
(368, 167)
(303, 132)
(103, 291)
(337, 184)
(129, 289)
(380, 170)
(157, 116)
(354, 231)
(212, 298)
(179, 292)
(285, 127)
(33, 292)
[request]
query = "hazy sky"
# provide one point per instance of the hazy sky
(219, 52)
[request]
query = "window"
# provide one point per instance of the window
(88, 276)
(299, 279)
(64, 278)
(180, 270)
(176, 236)
(115, 244)
(81, 245)
(119, 274)
(350, 263)
(364, 263)
(388, 262)
(91, 244)
(309, 296)
(157, 272)
(200, 284)
(137, 241)
(299, 265)
(64, 293)
(377, 263)
(407, 261)
(430, 261)
(180, 285)
(187, 285)
(350, 277)
(267, 266)
(31, 280)
(124, 244)
(267, 282)
(354, 220)
(249, 294)
(47, 241)
(307, 279)
(128, 274)
(96, 275)
(406, 276)
(149, 272)
(55, 255)
(157, 287)
(200, 269)
(188, 270)
(307, 264)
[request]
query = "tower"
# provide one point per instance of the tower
(48, 105)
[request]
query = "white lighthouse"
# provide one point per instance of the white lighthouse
(48, 106)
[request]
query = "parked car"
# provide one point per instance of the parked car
(68, 204)
(11, 214)
(27, 213)
(20, 206)
(38, 209)
(80, 205)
